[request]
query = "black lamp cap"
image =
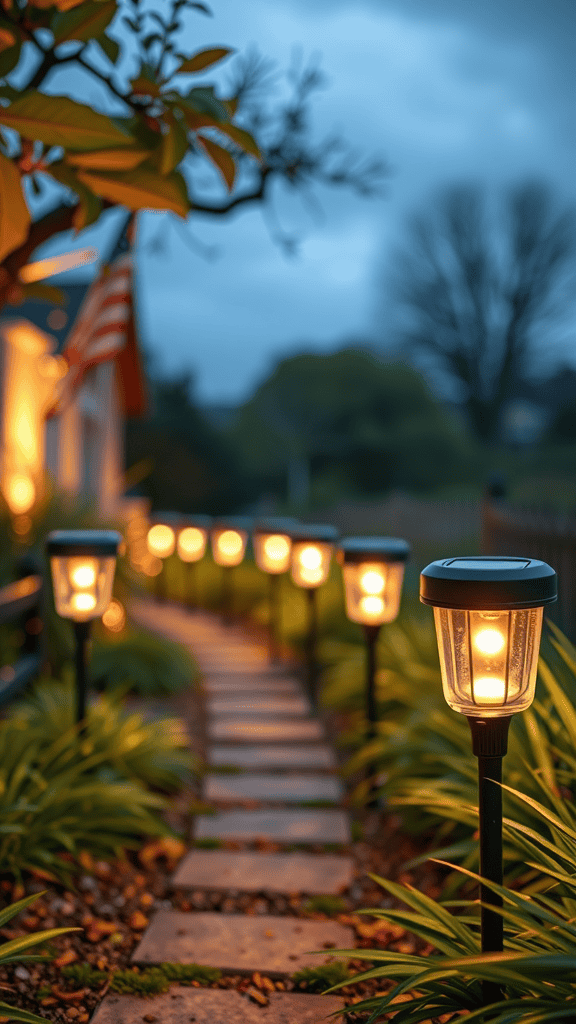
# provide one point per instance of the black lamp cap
(315, 533)
(241, 523)
(200, 522)
(276, 524)
(488, 582)
(97, 543)
(382, 549)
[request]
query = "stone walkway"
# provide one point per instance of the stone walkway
(260, 722)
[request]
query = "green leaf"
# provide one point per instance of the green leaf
(242, 138)
(174, 146)
(109, 159)
(14, 1013)
(203, 59)
(15, 908)
(109, 47)
(8, 949)
(59, 121)
(14, 213)
(140, 189)
(221, 159)
(86, 21)
(203, 100)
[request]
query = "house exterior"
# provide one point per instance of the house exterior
(69, 377)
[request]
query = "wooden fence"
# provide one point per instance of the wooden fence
(552, 538)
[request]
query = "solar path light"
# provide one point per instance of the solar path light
(83, 564)
(373, 570)
(272, 544)
(191, 545)
(229, 538)
(312, 548)
(161, 542)
(488, 613)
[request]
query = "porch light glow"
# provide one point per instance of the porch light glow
(312, 549)
(228, 546)
(161, 540)
(83, 564)
(373, 570)
(192, 543)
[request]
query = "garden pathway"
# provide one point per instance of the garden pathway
(259, 722)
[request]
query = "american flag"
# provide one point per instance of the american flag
(100, 329)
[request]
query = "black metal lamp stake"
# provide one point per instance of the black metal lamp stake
(488, 612)
(272, 543)
(83, 564)
(161, 541)
(373, 569)
(191, 545)
(311, 555)
(229, 539)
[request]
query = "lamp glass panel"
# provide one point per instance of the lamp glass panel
(488, 659)
(229, 546)
(161, 540)
(82, 585)
(310, 564)
(373, 591)
(192, 543)
(272, 552)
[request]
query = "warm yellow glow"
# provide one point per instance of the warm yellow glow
(191, 543)
(310, 558)
(83, 572)
(114, 618)
(489, 641)
(230, 543)
(489, 690)
(54, 367)
(372, 606)
(29, 339)
(83, 602)
(56, 264)
(161, 540)
(372, 581)
(20, 493)
(151, 565)
(276, 548)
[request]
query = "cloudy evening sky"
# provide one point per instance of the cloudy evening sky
(444, 90)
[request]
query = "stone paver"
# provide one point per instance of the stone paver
(291, 788)
(268, 705)
(244, 684)
(264, 872)
(235, 942)
(217, 1006)
(287, 826)
(281, 756)
(250, 730)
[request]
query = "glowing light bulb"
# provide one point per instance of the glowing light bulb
(276, 548)
(161, 540)
(191, 543)
(83, 602)
(310, 558)
(83, 575)
(372, 607)
(489, 641)
(230, 543)
(489, 690)
(372, 581)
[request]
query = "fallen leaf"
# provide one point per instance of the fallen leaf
(257, 996)
(70, 997)
(67, 958)
(137, 921)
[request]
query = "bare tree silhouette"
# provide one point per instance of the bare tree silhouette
(477, 282)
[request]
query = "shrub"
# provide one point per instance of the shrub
(139, 662)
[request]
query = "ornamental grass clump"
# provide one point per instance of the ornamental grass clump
(138, 662)
(114, 743)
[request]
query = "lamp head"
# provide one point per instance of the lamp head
(229, 539)
(82, 564)
(273, 544)
(373, 569)
(161, 537)
(312, 548)
(488, 613)
(192, 537)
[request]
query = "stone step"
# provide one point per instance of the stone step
(264, 872)
(216, 1006)
(282, 825)
(290, 788)
(268, 705)
(250, 730)
(281, 756)
(235, 942)
(249, 684)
